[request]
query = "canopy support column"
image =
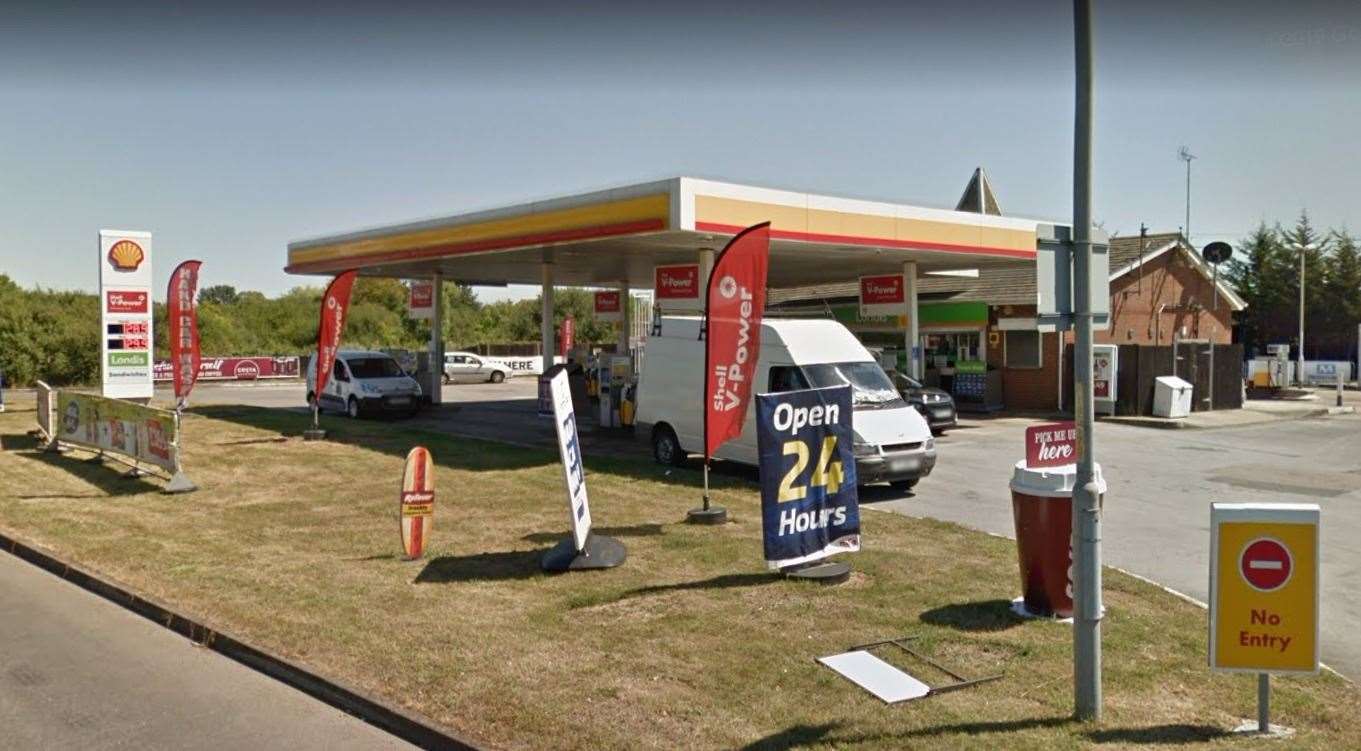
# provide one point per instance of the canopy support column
(625, 319)
(435, 387)
(546, 338)
(914, 353)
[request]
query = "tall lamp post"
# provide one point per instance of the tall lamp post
(1185, 155)
(1301, 249)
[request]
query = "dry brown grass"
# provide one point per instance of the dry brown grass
(690, 644)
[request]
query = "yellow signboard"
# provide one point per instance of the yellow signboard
(1264, 587)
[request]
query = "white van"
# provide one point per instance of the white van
(892, 442)
(364, 382)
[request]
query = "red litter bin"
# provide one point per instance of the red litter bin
(1042, 502)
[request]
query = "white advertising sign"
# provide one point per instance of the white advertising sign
(1105, 365)
(125, 298)
(569, 447)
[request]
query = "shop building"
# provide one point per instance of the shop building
(980, 338)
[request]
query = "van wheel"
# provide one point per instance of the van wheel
(447, 379)
(903, 484)
(497, 376)
(352, 408)
(666, 448)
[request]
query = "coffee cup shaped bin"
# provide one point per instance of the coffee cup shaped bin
(1042, 504)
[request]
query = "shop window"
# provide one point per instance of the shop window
(1023, 349)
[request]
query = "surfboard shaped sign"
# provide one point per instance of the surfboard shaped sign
(417, 502)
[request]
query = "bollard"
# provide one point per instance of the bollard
(1339, 392)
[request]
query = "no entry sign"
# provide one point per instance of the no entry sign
(1265, 564)
(1264, 587)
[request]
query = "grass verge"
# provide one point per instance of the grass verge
(690, 644)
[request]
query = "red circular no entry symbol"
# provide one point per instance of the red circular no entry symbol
(1265, 564)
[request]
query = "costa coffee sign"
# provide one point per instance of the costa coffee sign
(883, 295)
(119, 301)
(608, 306)
(234, 368)
(1051, 445)
(677, 287)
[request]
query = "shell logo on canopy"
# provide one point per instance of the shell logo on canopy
(126, 255)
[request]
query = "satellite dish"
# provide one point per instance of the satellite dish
(1217, 252)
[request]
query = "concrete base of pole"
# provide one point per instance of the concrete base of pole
(827, 572)
(600, 552)
(1250, 727)
(711, 515)
(313, 434)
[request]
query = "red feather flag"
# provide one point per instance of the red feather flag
(334, 305)
(734, 302)
(182, 313)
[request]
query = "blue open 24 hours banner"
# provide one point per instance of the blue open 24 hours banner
(809, 505)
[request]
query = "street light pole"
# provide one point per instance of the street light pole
(1086, 532)
(1185, 155)
(1302, 249)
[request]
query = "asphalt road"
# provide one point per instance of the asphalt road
(77, 671)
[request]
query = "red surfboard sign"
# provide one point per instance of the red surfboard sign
(417, 505)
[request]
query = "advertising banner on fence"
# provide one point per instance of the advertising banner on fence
(809, 502)
(1051, 445)
(235, 368)
(334, 304)
(125, 314)
(569, 448)
(735, 301)
(609, 306)
(675, 289)
(141, 433)
(884, 295)
(569, 335)
(182, 316)
(421, 300)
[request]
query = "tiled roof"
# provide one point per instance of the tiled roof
(1004, 286)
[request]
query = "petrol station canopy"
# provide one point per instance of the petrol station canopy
(609, 237)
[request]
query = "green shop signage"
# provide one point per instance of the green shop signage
(129, 359)
(969, 314)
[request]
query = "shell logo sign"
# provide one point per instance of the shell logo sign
(126, 255)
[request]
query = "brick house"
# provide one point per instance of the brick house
(1159, 285)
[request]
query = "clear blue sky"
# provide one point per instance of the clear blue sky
(228, 131)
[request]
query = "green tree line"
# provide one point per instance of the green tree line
(1265, 271)
(54, 336)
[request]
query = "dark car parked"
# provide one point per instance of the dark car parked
(936, 405)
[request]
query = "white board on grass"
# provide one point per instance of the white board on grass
(876, 676)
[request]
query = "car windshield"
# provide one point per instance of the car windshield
(870, 387)
(905, 382)
(374, 367)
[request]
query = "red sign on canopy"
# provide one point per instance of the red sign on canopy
(1051, 445)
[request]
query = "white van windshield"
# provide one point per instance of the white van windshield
(870, 387)
(374, 367)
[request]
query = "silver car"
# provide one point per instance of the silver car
(465, 367)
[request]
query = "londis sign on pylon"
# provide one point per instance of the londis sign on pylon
(1264, 587)
(418, 502)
